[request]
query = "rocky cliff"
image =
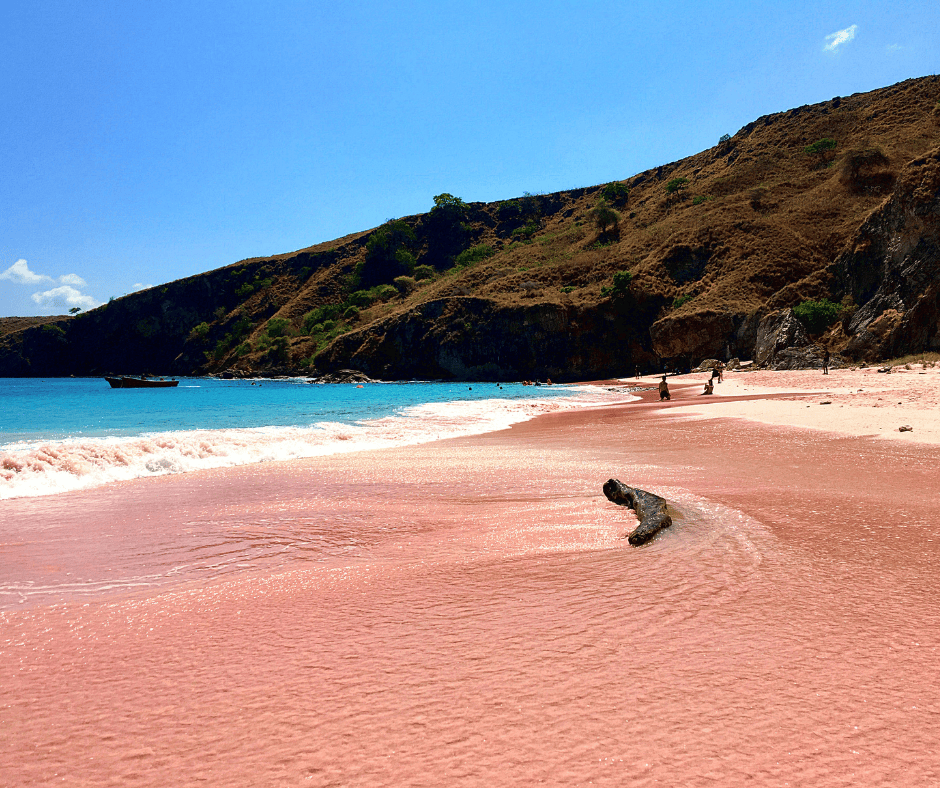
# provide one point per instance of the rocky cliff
(892, 269)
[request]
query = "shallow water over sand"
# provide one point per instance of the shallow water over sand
(466, 613)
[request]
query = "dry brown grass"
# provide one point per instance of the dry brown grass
(772, 222)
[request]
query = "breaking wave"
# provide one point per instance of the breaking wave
(49, 467)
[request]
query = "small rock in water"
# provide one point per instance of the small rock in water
(906, 428)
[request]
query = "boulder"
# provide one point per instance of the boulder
(345, 376)
(777, 332)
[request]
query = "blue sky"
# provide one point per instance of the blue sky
(144, 142)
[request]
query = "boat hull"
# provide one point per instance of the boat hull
(140, 383)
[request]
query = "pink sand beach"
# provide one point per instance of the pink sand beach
(468, 613)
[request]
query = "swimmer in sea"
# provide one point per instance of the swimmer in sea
(664, 389)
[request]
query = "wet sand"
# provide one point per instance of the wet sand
(466, 613)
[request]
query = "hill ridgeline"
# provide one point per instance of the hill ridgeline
(808, 230)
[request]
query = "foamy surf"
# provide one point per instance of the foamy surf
(51, 467)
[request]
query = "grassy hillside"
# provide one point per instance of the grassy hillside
(707, 245)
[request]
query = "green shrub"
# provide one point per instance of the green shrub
(387, 255)
(361, 298)
(615, 192)
(676, 185)
(243, 349)
(700, 199)
(318, 315)
(817, 316)
(474, 255)
(567, 288)
(447, 201)
(384, 292)
(242, 328)
(405, 260)
(526, 231)
(304, 273)
(508, 209)
(200, 332)
(604, 216)
(424, 272)
(824, 145)
(221, 347)
(405, 284)
(724, 138)
(620, 287)
(822, 150)
(52, 328)
(322, 313)
(328, 325)
(529, 206)
(683, 299)
(276, 327)
(250, 288)
(622, 281)
(278, 350)
(351, 314)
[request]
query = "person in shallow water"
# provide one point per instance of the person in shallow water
(664, 389)
(709, 387)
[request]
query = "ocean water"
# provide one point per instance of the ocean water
(66, 434)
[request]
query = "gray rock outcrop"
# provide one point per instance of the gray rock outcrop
(892, 269)
(779, 332)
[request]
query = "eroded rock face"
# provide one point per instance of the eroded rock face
(477, 339)
(778, 332)
(697, 335)
(893, 269)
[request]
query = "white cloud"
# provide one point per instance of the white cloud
(72, 279)
(138, 286)
(19, 272)
(840, 37)
(64, 297)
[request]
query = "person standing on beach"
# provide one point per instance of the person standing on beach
(664, 390)
(826, 363)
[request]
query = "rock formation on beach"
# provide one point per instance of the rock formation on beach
(707, 257)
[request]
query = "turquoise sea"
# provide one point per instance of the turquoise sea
(64, 434)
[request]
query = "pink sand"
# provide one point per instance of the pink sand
(466, 614)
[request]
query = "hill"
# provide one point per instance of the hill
(836, 203)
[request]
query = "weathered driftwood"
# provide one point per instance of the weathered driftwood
(649, 508)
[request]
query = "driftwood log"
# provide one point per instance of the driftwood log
(649, 508)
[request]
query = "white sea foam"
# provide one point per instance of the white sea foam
(46, 468)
